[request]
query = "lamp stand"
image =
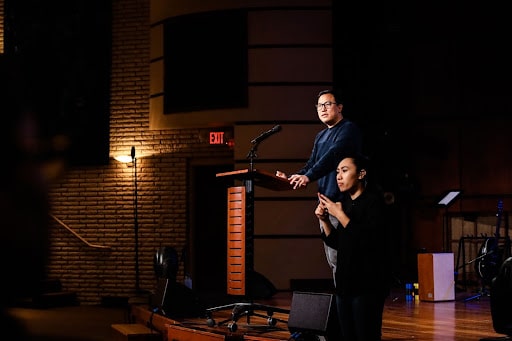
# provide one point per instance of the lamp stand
(136, 221)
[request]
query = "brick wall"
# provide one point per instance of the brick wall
(97, 202)
(2, 21)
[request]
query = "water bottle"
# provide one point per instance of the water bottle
(409, 292)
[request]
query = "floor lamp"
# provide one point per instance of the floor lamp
(135, 219)
(133, 159)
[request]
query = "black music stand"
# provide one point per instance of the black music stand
(240, 260)
(447, 200)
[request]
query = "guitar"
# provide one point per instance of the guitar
(490, 255)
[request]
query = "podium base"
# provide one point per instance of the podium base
(258, 286)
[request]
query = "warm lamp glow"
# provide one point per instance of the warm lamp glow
(123, 158)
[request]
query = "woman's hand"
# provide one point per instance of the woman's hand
(321, 213)
(333, 208)
(328, 205)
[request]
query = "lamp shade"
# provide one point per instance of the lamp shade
(123, 158)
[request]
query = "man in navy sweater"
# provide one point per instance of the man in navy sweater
(340, 138)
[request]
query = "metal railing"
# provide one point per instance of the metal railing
(78, 236)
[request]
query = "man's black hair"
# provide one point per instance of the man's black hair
(335, 93)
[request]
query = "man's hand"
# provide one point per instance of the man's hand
(281, 174)
(297, 181)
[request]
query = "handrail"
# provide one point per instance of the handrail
(77, 235)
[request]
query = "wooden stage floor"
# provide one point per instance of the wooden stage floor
(456, 320)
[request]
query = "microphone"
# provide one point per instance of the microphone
(266, 134)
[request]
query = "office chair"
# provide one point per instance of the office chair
(172, 299)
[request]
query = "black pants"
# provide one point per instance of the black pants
(361, 316)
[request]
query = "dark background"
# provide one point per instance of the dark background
(396, 63)
(64, 49)
(403, 65)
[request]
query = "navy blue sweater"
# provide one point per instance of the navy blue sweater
(329, 148)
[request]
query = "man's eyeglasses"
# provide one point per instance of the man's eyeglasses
(326, 105)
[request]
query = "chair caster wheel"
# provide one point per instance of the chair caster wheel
(232, 327)
(210, 322)
(271, 321)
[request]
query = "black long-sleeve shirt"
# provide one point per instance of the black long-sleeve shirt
(363, 246)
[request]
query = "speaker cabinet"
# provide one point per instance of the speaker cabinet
(436, 277)
(312, 313)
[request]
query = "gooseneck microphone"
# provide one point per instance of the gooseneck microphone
(266, 134)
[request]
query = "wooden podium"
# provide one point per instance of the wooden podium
(240, 243)
(240, 223)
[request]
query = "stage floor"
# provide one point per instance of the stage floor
(403, 320)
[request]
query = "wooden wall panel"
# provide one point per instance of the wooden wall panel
(434, 147)
(283, 259)
(290, 27)
(290, 65)
(296, 104)
(485, 157)
(161, 9)
(293, 142)
(272, 62)
(285, 218)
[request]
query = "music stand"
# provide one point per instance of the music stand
(447, 200)
(449, 197)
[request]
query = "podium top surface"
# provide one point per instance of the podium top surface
(260, 177)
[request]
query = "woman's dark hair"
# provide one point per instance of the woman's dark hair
(362, 161)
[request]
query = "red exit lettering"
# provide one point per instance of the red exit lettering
(216, 137)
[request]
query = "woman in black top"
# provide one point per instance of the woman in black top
(362, 241)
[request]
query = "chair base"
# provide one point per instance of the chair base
(244, 309)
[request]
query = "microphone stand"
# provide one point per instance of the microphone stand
(256, 141)
(252, 155)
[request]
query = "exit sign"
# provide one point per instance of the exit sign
(216, 137)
